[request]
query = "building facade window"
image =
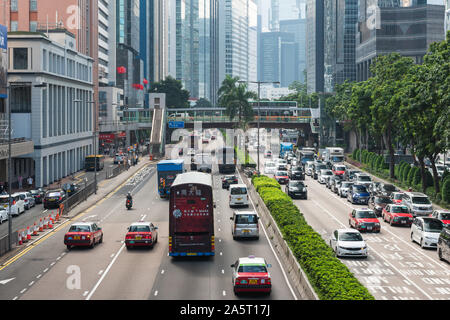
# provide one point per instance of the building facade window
(33, 5)
(20, 58)
(14, 5)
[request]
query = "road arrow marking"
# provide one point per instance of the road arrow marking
(6, 281)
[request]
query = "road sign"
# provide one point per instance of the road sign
(176, 124)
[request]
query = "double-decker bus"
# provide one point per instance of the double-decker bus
(92, 160)
(191, 215)
(226, 159)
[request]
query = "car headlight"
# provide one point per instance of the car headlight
(304, 189)
(377, 224)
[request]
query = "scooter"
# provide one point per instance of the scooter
(129, 204)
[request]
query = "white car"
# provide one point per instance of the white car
(269, 167)
(348, 242)
(324, 175)
(3, 215)
(238, 195)
(309, 168)
(425, 231)
(280, 161)
(363, 179)
(344, 188)
(17, 207)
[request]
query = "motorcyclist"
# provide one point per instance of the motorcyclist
(129, 197)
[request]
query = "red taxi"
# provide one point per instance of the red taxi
(83, 234)
(364, 220)
(397, 214)
(141, 234)
(397, 197)
(251, 275)
(443, 215)
(282, 177)
(339, 169)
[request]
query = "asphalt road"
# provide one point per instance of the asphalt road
(396, 269)
(47, 270)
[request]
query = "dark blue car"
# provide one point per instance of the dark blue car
(358, 194)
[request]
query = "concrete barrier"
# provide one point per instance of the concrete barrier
(296, 274)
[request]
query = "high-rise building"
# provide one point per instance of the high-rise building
(275, 16)
(315, 46)
(298, 28)
(197, 45)
(447, 16)
(406, 27)
(128, 52)
(106, 42)
(238, 40)
(278, 52)
(341, 17)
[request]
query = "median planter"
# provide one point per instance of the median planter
(329, 277)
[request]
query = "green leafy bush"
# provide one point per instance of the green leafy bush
(446, 191)
(331, 279)
(354, 154)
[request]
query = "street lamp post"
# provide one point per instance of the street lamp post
(259, 108)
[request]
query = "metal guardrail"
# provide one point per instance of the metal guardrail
(288, 119)
(114, 172)
(78, 197)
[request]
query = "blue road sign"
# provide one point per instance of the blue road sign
(176, 124)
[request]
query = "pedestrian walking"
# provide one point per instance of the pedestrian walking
(20, 179)
(129, 163)
(30, 182)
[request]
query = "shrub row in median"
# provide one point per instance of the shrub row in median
(331, 279)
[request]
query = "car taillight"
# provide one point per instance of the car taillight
(148, 236)
(268, 281)
(14, 202)
(129, 236)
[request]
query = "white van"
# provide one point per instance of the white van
(238, 195)
(245, 224)
(18, 205)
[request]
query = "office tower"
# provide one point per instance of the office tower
(340, 21)
(298, 28)
(315, 45)
(408, 29)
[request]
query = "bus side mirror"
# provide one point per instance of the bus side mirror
(231, 218)
(232, 266)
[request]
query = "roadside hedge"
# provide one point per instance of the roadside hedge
(331, 279)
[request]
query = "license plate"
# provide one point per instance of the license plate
(5, 206)
(245, 231)
(369, 228)
(239, 199)
(403, 221)
(76, 238)
(253, 281)
(138, 238)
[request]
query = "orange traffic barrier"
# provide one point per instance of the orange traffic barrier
(41, 225)
(35, 229)
(24, 236)
(28, 233)
(50, 221)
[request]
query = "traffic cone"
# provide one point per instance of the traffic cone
(41, 225)
(45, 226)
(35, 229)
(28, 233)
(50, 221)
(19, 235)
(57, 215)
(24, 236)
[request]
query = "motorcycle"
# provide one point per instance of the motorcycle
(129, 204)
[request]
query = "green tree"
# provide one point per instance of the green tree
(203, 103)
(176, 96)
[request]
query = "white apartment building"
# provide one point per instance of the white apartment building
(106, 42)
(58, 117)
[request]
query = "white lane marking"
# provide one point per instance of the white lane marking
(105, 273)
(85, 293)
(273, 250)
(15, 298)
(223, 271)
(31, 283)
(112, 255)
(52, 264)
(156, 293)
(371, 248)
(100, 272)
(162, 271)
(143, 217)
(46, 269)
(409, 244)
(224, 293)
(38, 276)
(23, 290)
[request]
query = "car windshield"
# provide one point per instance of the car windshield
(399, 210)
(230, 178)
(398, 196)
(444, 215)
(297, 169)
(350, 236)
(53, 194)
(389, 187)
(359, 188)
(327, 173)
(337, 158)
(252, 269)
(270, 164)
(421, 200)
(239, 190)
(365, 215)
(346, 184)
(296, 184)
(382, 200)
(340, 168)
(321, 166)
(66, 186)
(80, 229)
(432, 226)
(139, 229)
(364, 178)
(282, 173)
(246, 219)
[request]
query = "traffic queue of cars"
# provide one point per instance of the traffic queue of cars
(384, 202)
